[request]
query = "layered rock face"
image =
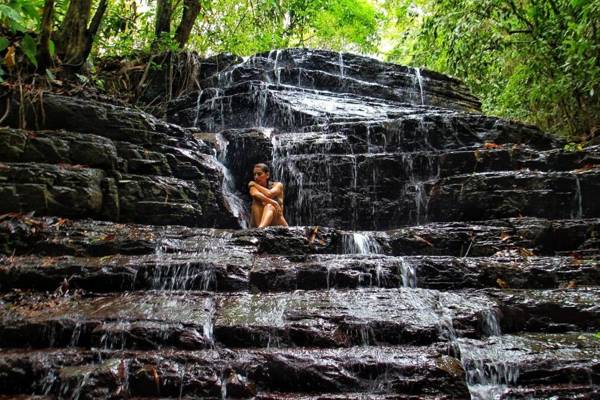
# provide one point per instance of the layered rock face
(91, 159)
(435, 253)
(362, 144)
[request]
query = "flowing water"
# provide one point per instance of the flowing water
(420, 83)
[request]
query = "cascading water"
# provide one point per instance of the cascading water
(578, 199)
(420, 83)
(236, 205)
(360, 243)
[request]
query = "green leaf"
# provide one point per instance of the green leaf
(4, 42)
(10, 13)
(82, 78)
(29, 48)
(52, 48)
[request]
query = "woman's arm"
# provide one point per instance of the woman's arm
(271, 193)
(255, 194)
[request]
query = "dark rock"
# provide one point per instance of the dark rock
(57, 147)
(443, 273)
(533, 366)
(410, 371)
(549, 310)
(509, 194)
(71, 191)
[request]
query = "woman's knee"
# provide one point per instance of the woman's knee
(269, 207)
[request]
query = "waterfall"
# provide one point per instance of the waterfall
(360, 243)
(408, 273)
(420, 82)
(578, 199)
(234, 202)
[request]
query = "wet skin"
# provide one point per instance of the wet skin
(267, 200)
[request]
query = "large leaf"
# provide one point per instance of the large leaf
(29, 47)
(4, 42)
(10, 13)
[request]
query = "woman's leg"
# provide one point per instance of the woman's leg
(257, 211)
(280, 221)
(267, 216)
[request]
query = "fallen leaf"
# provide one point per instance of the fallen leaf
(109, 237)
(490, 145)
(313, 234)
(571, 285)
(9, 58)
(525, 252)
(587, 167)
(422, 240)
(504, 236)
(47, 261)
(122, 371)
(71, 166)
(156, 378)
(502, 283)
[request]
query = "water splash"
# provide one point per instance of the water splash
(408, 274)
(360, 243)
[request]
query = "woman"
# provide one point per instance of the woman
(267, 199)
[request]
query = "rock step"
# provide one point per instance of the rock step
(208, 374)
(196, 320)
(253, 103)
(78, 191)
(533, 366)
(520, 367)
(348, 73)
(470, 197)
(553, 195)
(419, 165)
(430, 272)
(24, 234)
(222, 272)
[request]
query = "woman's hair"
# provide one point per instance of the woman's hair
(264, 167)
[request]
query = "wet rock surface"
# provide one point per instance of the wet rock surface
(359, 152)
(435, 253)
(91, 159)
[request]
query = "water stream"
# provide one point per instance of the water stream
(420, 83)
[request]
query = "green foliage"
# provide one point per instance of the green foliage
(573, 147)
(20, 15)
(17, 19)
(535, 61)
(250, 27)
(29, 48)
(246, 27)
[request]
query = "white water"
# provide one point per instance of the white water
(234, 202)
(360, 243)
(420, 82)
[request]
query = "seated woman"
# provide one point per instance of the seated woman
(267, 199)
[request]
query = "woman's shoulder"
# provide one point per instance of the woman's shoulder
(273, 184)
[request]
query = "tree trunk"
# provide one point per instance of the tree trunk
(72, 38)
(94, 26)
(44, 56)
(163, 17)
(191, 9)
